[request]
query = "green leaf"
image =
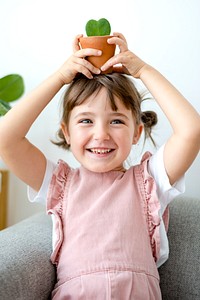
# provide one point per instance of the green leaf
(4, 107)
(104, 27)
(11, 87)
(98, 28)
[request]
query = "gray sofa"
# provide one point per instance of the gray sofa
(26, 272)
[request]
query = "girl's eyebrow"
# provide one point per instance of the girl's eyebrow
(113, 114)
(83, 114)
(117, 114)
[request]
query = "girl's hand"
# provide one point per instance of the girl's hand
(77, 64)
(130, 63)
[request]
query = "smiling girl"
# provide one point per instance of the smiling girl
(109, 222)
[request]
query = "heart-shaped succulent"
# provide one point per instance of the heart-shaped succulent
(98, 28)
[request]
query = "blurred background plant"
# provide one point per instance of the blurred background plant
(11, 89)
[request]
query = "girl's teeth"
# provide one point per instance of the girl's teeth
(100, 151)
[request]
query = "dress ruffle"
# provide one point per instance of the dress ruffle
(55, 204)
(152, 207)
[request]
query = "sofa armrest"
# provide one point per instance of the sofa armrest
(180, 275)
(26, 272)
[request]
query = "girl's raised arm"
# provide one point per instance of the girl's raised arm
(184, 144)
(23, 158)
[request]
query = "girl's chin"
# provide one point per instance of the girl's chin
(103, 169)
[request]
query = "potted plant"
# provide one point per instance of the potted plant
(11, 89)
(98, 33)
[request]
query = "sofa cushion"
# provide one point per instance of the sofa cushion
(26, 272)
(180, 275)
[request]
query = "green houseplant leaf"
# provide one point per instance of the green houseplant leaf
(11, 87)
(98, 28)
(4, 107)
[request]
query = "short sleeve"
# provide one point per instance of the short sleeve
(166, 193)
(41, 195)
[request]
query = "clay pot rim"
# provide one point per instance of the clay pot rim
(96, 36)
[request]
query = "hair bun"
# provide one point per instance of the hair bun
(149, 118)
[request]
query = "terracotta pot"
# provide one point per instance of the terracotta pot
(100, 43)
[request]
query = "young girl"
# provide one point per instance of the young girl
(109, 232)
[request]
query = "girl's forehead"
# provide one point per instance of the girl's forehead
(102, 100)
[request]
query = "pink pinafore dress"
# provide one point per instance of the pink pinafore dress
(107, 229)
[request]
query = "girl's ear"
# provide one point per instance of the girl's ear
(65, 132)
(137, 133)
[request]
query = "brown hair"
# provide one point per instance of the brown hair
(117, 85)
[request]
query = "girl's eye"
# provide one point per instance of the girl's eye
(117, 122)
(85, 121)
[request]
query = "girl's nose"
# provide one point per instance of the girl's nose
(101, 132)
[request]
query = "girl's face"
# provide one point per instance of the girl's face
(99, 137)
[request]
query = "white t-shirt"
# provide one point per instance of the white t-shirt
(166, 193)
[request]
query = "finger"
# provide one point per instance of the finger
(88, 52)
(84, 71)
(77, 69)
(75, 44)
(119, 35)
(121, 43)
(117, 59)
(85, 66)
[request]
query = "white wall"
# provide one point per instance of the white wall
(36, 38)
